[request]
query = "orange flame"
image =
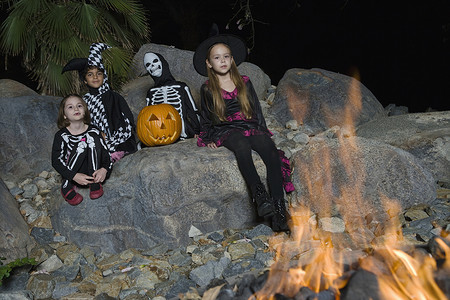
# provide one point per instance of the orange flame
(318, 261)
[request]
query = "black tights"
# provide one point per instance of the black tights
(242, 147)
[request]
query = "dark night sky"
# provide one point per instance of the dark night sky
(400, 48)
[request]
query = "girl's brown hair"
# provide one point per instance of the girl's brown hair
(214, 87)
(62, 121)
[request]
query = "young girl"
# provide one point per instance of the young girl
(231, 116)
(79, 153)
(109, 111)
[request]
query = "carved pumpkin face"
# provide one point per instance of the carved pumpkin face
(158, 125)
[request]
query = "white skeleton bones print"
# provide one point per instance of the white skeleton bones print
(170, 94)
(82, 144)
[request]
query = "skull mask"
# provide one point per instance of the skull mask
(153, 64)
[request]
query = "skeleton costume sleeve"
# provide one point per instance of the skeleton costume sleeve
(69, 152)
(170, 91)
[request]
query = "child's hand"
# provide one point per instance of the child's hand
(212, 145)
(83, 179)
(99, 175)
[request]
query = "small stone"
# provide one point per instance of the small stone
(156, 250)
(241, 250)
(108, 272)
(301, 138)
(51, 264)
(15, 191)
(63, 289)
(270, 98)
(216, 237)
(415, 214)
(260, 229)
(41, 285)
(59, 239)
(43, 222)
(292, 124)
(333, 224)
(30, 191)
(194, 231)
(191, 248)
(44, 174)
(42, 235)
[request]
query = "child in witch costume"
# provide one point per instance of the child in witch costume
(231, 116)
(79, 153)
(170, 91)
(109, 111)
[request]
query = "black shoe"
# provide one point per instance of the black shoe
(281, 216)
(262, 199)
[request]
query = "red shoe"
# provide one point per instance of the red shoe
(75, 200)
(97, 193)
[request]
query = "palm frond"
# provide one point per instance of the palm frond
(14, 35)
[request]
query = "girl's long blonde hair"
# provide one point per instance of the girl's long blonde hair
(216, 90)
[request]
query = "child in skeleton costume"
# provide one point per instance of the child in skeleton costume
(79, 153)
(168, 90)
(231, 116)
(109, 111)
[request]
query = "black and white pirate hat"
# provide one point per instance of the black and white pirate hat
(94, 59)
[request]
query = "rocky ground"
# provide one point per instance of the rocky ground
(68, 272)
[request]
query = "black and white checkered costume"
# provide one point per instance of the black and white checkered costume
(109, 111)
(82, 153)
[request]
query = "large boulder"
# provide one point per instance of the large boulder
(181, 67)
(28, 127)
(15, 242)
(155, 195)
(10, 88)
(356, 177)
(319, 99)
(425, 135)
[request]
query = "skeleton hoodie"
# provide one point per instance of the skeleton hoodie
(170, 91)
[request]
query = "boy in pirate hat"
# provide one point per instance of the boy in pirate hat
(109, 111)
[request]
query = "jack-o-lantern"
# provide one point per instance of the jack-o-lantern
(158, 125)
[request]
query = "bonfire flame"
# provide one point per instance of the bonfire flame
(399, 275)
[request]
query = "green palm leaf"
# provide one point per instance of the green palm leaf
(48, 33)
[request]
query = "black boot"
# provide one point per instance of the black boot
(262, 199)
(281, 216)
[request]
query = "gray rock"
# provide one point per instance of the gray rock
(30, 191)
(182, 285)
(53, 263)
(63, 289)
(41, 285)
(179, 259)
(357, 175)
(43, 235)
(10, 89)
(425, 135)
(242, 266)
(17, 295)
(15, 242)
(212, 269)
(155, 195)
(26, 141)
(15, 282)
(332, 224)
(216, 237)
(321, 99)
(258, 230)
